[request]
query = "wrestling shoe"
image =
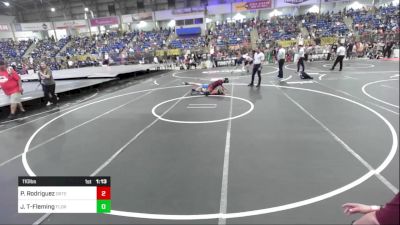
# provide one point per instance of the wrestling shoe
(12, 117)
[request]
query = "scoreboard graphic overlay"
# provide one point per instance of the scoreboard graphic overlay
(64, 194)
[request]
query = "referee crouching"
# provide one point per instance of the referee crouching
(258, 58)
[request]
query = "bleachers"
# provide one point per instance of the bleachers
(327, 25)
(114, 42)
(385, 18)
(189, 42)
(13, 51)
(278, 28)
(154, 39)
(235, 33)
(48, 48)
(222, 34)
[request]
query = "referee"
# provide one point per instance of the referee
(258, 58)
(281, 60)
(341, 53)
(300, 61)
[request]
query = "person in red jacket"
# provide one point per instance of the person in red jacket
(11, 84)
(380, 215)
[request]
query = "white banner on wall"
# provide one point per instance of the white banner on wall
(335, 1)
(142, 16)
(4, 28)
(168, 15)
(145, 16)
(126, 18)
(286, 3)
(70, 24)
(219, 9)
(189, 10)
(33, 26)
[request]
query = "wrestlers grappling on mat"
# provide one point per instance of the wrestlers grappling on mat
(214, 88)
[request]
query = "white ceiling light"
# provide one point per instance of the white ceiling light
(356, 5)
(53, 9)
(172, 23)
(86, 9)
(275, 13)
(313, 9)
(239, 17)
(6, 4)
(142, 24)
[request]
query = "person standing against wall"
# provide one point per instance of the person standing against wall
(48, 84)
(341, 53)
(281, 60)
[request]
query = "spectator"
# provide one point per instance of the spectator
(387, 49)
(349, 50)
(48, 84)
(155, 60)
(11, 84)
(389, 214)
(192, 62)
(248, 61)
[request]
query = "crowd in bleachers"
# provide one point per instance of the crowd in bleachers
(224, 36)
(278, 28)
(231, 33)
(13, 51)
(377, 20)
(48, 48)
(109, 42)
(155, 39)
(325, 25)
(197, 42)
(117, 46)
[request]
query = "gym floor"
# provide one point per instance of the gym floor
(289, 152)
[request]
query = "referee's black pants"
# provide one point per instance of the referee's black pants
(280, 73)
(49, 92)
(339, 59)
(256, 69)
(300, 63)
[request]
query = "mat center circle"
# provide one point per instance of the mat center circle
(206, 109)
